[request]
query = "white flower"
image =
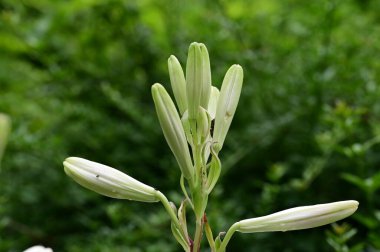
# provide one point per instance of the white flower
(38, 248)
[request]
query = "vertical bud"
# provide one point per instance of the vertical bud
(203, 125)
(5, 126)
(213, 102)
(178, 82)
(108, 181)
(198, 78)
(227, 103)
(172, 127)
(299, 217)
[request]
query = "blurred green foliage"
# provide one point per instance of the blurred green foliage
(75, 78)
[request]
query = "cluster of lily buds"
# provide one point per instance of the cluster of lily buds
(199, 103)
(189, 125)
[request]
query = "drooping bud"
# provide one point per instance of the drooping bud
(198, 79)
(5, 126)
(108, 181)
(178, 83)
(299, 217)
(172, 127)
(227, 103)
(213, 102)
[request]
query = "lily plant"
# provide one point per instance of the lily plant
(195, 127)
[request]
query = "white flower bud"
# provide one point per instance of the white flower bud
(227, 103)
(198, 79)
(178, 82)
(108, 181)
(299, 217)
(173, 130)
(213, 102)
(5, 126)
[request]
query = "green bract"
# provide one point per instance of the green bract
(108, 181)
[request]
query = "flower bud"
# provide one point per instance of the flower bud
(203, 125)
(172, 127)
(108, 181)
(178, 82)
(213, 102)
(5, 126)
(227, 103)
(198, 79)
(299, 217)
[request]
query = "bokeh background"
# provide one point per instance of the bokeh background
(75, 78)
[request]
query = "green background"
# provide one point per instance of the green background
(75, 78)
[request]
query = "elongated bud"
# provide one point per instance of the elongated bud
(108, 181)
(213, 102)
(227, 103)
(172, 127)
(178, 82)
(299, 217)
(198, 79)
(5, 126)
(203, 125)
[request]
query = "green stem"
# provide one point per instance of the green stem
(168, 208)
(227, 237)
(198, 235)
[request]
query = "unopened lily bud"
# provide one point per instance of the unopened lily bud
(198, 78)
(203, 124)
(172, 127)
(5, 126)
(108, 181)
(299, 217)
(178, 82)
(227, 103)
(187, 127)
(213, 102)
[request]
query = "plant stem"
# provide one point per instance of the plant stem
(168, 208)
(227, 237)
(198, 235)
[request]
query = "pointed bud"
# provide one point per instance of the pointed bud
(5, 127)
(203, 125)
(178, 82)
(198, 78)
(108, 181)
(227, 103)
(172, 127)
(213, 102)
(299, 217)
